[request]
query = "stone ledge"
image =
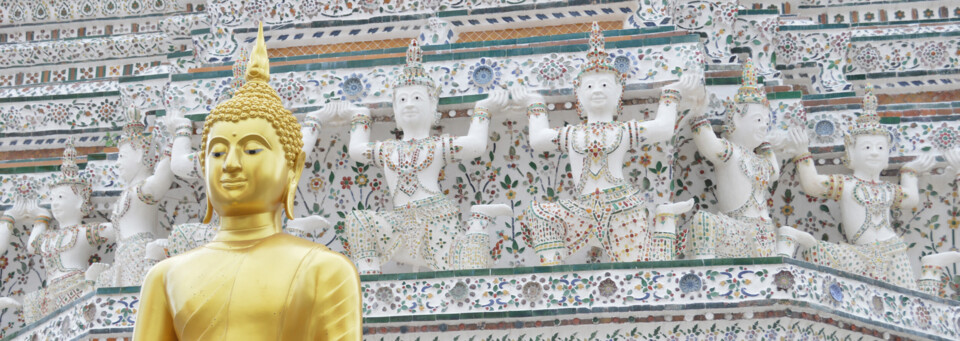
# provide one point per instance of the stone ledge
(737, 297)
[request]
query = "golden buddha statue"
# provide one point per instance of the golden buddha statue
(252, 282)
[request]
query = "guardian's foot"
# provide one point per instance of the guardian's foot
(551, 257)
(157, 250)
(790, 238)
(8, 302)
(483, 215)
(941, 259)
(94, 271)
(494, 210)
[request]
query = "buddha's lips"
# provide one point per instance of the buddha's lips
(233, 183)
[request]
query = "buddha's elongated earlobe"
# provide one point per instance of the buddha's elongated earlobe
(209, 214)
(292, 185)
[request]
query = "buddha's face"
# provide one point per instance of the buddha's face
(129, 162)
(246, 172)
(599, 93)
(870, 154)
(751, 127)
(414, 107)
(65, 205)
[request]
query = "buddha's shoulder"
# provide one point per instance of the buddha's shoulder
(317, 253)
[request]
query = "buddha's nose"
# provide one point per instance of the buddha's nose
(232, 163)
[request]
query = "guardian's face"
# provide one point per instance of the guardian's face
(129, 162)
(245, 169)
(599, 92)
(870, 153)
(413, 106)
(65, 205)
(752, 126)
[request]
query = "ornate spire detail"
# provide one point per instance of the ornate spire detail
(597, 57)
(134, 129)
(413, 71)
(597, 54)
(239, 69)
(868, 123)
(70, 176)
(750, 90)
(258, 69)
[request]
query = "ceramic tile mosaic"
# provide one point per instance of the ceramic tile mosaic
(814, 66)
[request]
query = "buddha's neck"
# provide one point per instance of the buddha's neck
(249, 227)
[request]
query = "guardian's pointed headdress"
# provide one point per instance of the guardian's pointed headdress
(134, 131)
(750, 91)
(597, 57)
(70, 176)
(414, 73)
(868, 123)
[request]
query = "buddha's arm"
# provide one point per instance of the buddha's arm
(338, 295)
(159, 183)
(661, 129)
(154, 318)
(360, 148)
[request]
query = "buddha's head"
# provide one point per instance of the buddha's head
(134, 145)
(251, 148)
(415, 94)
(867, 144)
(70, 193)
(748, 117)
(599, 84)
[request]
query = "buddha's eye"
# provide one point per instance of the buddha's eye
(604, 85)
(590, 86)
(254, 151)
(416, 97)
(217, 154)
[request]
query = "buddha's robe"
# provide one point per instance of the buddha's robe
(275, 288)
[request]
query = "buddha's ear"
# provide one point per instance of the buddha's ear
(294, 182)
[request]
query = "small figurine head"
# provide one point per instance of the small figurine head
(134, 145)
(70, 193)
(415, 94)
(748, 116)
(867, 144)
(599, 84)
(251, 148)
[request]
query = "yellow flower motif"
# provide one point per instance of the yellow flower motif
(511, 194)
(954, 223)
(786, 210)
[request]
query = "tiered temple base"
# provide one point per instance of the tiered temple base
(728, 299)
